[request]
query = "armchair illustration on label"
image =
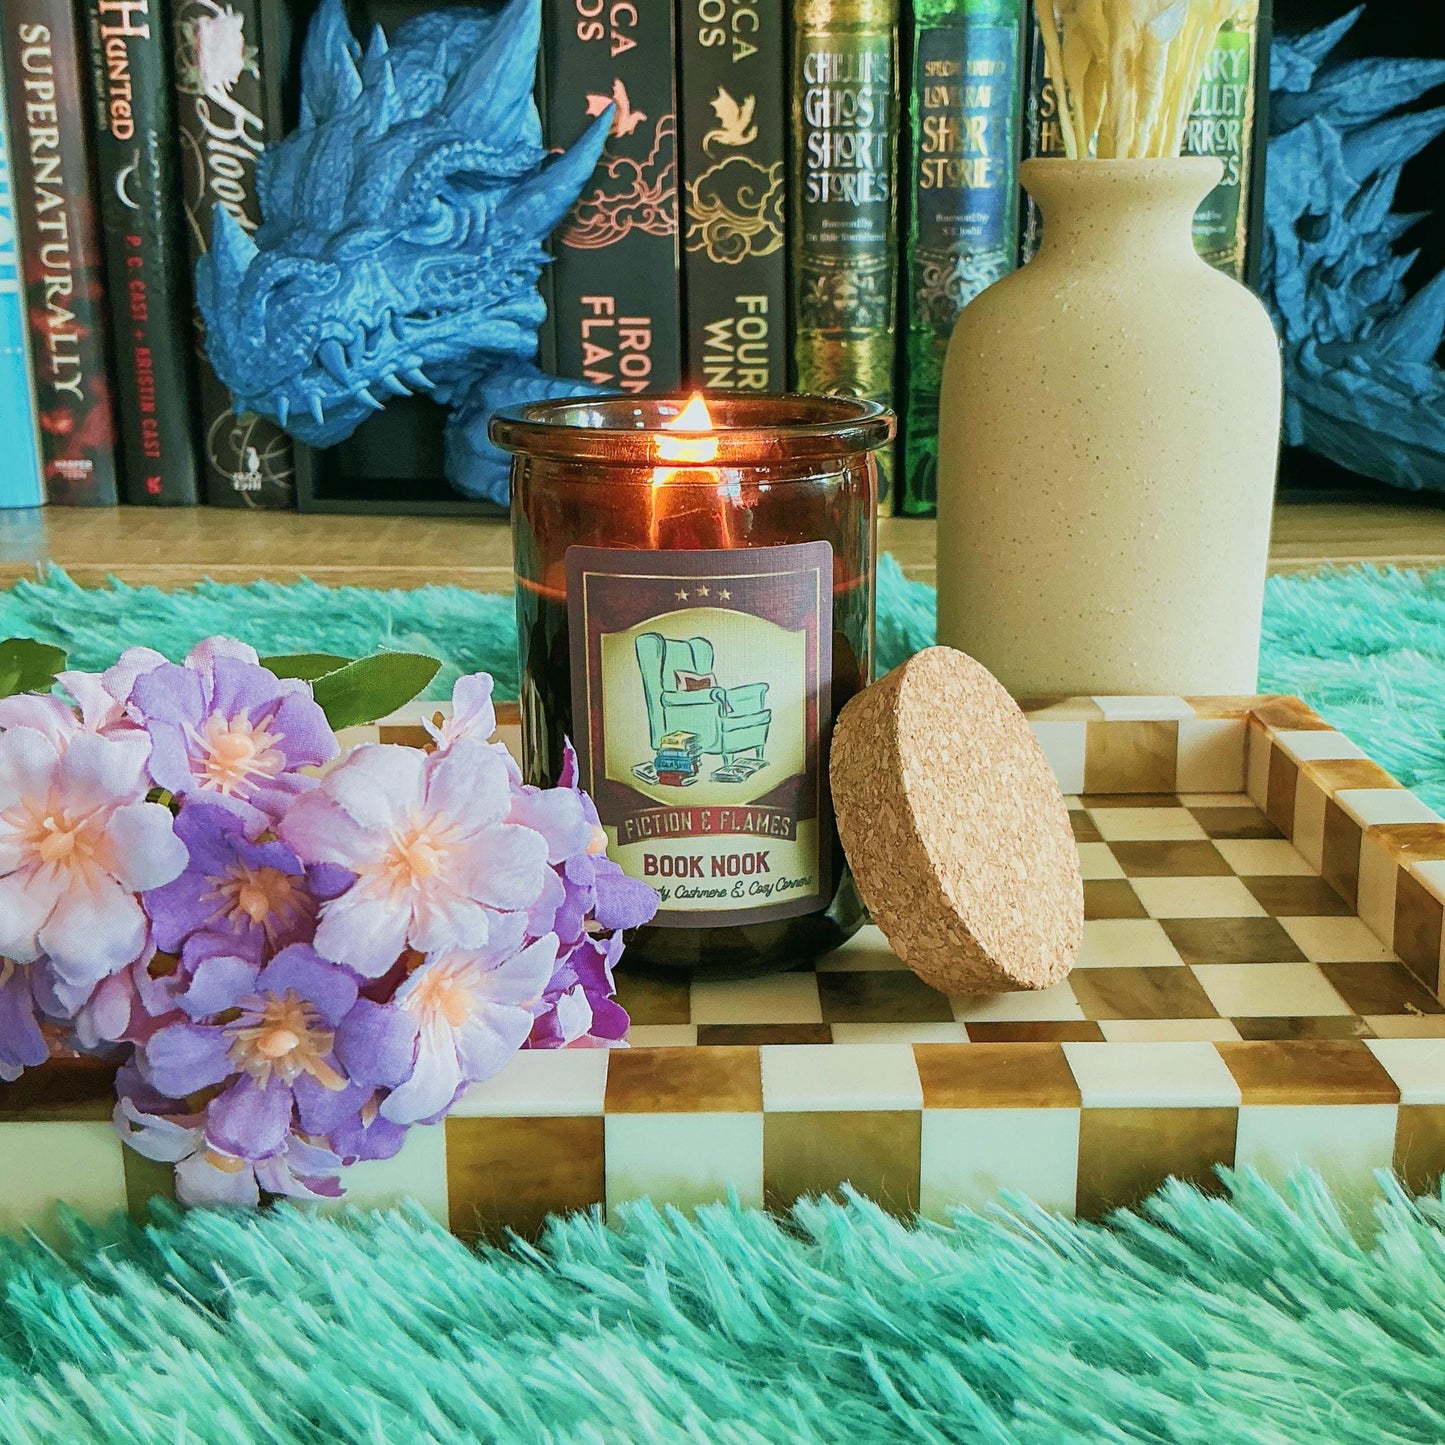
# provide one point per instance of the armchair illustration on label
(691, 716)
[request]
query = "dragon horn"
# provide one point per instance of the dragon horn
(376, 47)
(388, 106)
(490, 96)
(536, 205)
(232, 251)
(329, 77)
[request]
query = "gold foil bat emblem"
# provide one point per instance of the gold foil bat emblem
(735, 122)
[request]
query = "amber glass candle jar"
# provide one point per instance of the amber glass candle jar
(694, 606)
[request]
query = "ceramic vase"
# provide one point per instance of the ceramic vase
(1108, 442)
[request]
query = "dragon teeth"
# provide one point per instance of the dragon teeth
(283, 411)
(394, 386)
(364, 396)
(318, 411)
(333, 358)
(415, 376)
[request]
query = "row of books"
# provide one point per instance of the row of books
(126, 121)
(805, 193)
(796, 194)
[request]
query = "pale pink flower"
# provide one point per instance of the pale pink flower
(472, 719)
(77, 842)
(102, 700)
(472, 715)
(427, 839)
(473, 1011)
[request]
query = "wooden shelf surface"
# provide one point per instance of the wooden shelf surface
(177, 548)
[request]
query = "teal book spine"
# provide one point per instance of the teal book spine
(22, 482)
(965, 113)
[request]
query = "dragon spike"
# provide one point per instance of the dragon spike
(1318, 43)
(1415, 331)
(490, 96)
(232, 251)
(1391, 142)
(377, 46)
(330, 80)
(389, 108)
(536, 205)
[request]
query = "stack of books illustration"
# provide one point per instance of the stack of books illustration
(677, 759)
(675, 764)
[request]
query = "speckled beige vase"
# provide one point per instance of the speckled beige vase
(1108, 438)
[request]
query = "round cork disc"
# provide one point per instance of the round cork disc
(957, 833)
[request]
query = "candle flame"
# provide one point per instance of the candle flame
(693, 418)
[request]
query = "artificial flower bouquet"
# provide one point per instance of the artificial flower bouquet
(293, 955)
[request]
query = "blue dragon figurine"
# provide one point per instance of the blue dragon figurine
(401, 237)
(1362, 384)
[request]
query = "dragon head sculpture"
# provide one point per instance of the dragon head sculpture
(403, 224)
(1362, 383)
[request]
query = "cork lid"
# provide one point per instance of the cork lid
(957, 834)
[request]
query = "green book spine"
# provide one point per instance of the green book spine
(966, 103)
(1227, 121)
(734, 169)
(1223, 125)
(845, 205)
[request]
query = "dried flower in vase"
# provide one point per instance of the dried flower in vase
(1126, 71)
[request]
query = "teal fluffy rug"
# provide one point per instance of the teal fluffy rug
(1366, 647)
(1256, 1320)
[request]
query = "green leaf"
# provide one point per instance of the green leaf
(28, 666)
(369, 689)
(308, 666)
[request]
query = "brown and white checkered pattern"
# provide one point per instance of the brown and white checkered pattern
(1258, 984)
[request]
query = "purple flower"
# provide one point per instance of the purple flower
(426, 838)
(77, 841)
(22, 1045)
(285, 1045)
(472, 1010)
(161, 1129)
(579, 1003)
(593, 886)
(224, 728)
(252, 897)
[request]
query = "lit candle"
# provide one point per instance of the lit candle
(687, 437)
(694, 605)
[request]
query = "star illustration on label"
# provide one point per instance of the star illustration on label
(681, 595)
(702, 592)
(725, 595)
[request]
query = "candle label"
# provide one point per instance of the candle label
(704, 678)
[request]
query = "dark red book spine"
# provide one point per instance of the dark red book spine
(226, 115)
(54, 188)
(149, 294)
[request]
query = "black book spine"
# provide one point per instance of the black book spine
(140, 208)
(732, 79)
(224, 115)
(60, 251)
(616, 299)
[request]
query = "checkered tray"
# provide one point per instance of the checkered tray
(1258, 985)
